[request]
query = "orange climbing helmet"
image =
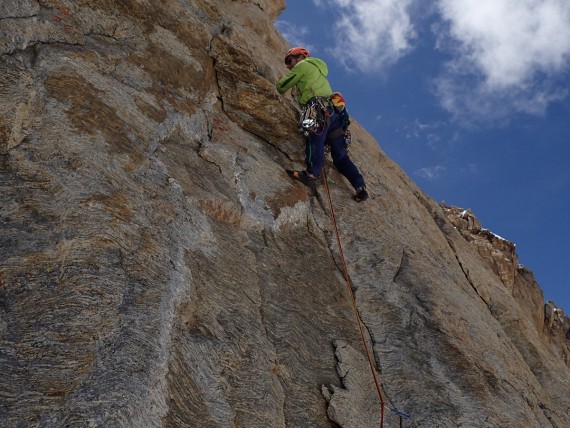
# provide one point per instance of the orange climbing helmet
(296, 52)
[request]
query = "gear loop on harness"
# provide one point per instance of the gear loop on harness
(315, 116)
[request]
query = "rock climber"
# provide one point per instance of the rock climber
(322, 122)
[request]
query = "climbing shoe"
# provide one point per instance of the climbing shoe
(303, 177)
(361, 194)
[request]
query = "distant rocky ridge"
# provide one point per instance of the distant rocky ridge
(159, 268)
(501, 257)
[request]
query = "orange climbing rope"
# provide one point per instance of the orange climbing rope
(353, 298)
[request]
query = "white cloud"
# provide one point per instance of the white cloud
(418, 128)
(509, 40)
(507, 54)
(372, 34)
(430, 132)
(431, 173)
(294, 34)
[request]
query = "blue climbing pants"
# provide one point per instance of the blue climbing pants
(315, 152)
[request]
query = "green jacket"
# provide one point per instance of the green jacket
(309, 76)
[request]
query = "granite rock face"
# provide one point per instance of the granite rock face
(159, 268)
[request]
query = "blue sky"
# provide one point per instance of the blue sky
(471, 98)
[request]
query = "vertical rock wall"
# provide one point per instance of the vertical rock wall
(159, 268)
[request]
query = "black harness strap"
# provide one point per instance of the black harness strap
(335, 134)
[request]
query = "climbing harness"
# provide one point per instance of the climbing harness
(331, 136)
(401, 414)
(338, 103)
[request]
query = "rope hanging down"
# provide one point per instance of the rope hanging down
(353, 298)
